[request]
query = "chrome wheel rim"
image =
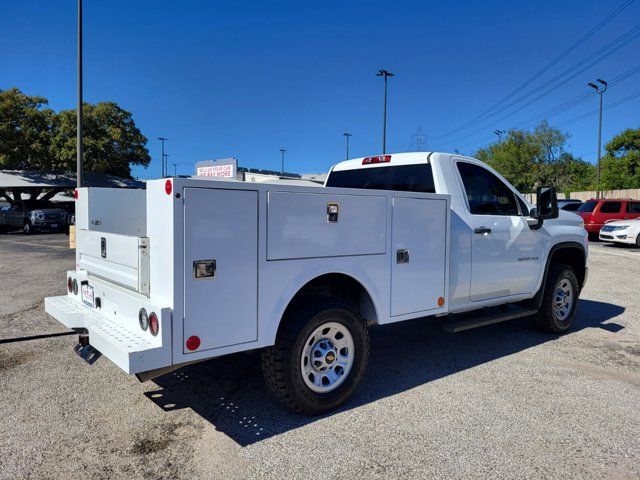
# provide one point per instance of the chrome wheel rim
(327, 357)
(563, 299)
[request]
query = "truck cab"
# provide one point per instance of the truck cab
(501, 252)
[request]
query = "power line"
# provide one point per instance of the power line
(613, 46)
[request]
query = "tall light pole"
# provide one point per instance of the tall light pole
(600, 89)
(347, 135)
(162, 139)
(165, 161)
(79, 146)
(282, 150)
(175, 174)
(385, 74)
(499, 134)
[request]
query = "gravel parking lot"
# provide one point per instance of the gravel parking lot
(503, 401)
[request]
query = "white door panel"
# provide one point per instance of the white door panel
(506, 260)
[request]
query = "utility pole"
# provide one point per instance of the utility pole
(346, 135)
(164, 171)
(165, 162)
(282, 150)
(385, 74)
(600, 89)
(79, 145)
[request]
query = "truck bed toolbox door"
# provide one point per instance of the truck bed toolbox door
(220, 267)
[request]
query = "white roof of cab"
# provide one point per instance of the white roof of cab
(409, 158)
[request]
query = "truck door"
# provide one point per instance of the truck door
(418, 259)
(506, 255)
(220, 266)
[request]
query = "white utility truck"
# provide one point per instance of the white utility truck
(192, 268)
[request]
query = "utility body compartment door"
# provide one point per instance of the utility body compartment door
(419, 255)
(220, 267)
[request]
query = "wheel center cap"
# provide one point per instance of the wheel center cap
(330, 357)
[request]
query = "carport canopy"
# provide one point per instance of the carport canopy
(14, 184)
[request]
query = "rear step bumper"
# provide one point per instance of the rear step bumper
(132, 351)
(454, 325)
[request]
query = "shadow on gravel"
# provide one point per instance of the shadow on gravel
(229, 393)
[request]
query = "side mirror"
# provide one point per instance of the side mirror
(546, 204)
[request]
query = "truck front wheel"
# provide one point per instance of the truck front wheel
(559, 300)
(319, 357)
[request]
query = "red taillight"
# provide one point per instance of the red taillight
(193, 343)
(168, 187)
(377, 159)
(154, 326)
(75, 194)
(70, 284)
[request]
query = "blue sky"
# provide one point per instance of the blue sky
(245, 79)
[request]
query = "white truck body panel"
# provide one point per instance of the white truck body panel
(269, 240)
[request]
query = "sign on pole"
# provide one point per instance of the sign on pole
(222, 168)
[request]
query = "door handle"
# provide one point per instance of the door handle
(482, 230)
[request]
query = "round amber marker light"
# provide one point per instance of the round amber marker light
(440, 301)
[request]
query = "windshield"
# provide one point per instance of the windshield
(407, 178)
(587, 207)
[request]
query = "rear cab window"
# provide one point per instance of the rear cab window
(404, 178)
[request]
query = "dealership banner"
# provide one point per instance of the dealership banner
(222, 168)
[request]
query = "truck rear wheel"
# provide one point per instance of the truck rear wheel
(560, 299)
(319, 357)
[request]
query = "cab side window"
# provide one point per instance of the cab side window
(486, 193)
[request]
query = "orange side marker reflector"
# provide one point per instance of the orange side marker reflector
(440, 301)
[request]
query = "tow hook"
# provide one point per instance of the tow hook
(84, 350)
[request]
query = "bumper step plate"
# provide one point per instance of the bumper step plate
(87, 353)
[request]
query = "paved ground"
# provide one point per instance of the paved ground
(499, 402)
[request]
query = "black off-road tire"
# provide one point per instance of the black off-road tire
(27, 228)
(638, 241)
(546, 319)
(281, 362)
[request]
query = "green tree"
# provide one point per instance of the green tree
(25, 131)
(112, 142)
(620, 166)
(529, 159)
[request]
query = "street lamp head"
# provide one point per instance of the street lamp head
(384, 73)
(347, 134)
(602, 82)
(593, 85)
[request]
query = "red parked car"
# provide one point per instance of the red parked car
(596, 213)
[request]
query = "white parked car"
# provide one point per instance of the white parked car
(622, 231)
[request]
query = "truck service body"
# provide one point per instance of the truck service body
(190, 269)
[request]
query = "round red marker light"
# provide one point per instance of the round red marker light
(168, 187)
(193, 343)
(75, 194)
(154, 326)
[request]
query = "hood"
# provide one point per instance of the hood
(619, 223)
